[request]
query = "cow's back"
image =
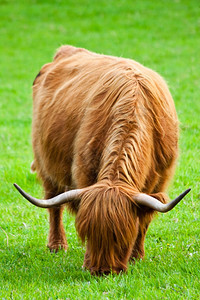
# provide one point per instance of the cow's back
(77, 99)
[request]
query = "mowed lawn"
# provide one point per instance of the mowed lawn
(163, 35)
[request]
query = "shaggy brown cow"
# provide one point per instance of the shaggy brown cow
(105, 129)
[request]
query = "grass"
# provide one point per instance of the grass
(163, 35)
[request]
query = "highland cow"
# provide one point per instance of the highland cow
(105, 142)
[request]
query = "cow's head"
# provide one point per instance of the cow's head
(107, 220)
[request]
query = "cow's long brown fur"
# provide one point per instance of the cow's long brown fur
(108, 124)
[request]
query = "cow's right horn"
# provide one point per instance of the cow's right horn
(151, 202)
(52, 202)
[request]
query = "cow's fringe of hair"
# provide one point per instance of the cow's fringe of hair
(107, 215)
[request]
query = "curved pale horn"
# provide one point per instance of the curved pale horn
(148, 201)
(52, 202)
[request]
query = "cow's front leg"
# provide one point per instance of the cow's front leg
(138, 248)
(57, 239)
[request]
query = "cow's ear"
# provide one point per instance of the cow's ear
(74, 206)
(162, 197)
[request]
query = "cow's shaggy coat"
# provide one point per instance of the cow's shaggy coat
(109, 125)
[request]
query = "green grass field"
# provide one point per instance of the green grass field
(163, 35)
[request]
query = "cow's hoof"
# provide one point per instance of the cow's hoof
(54, 248)
(136, 255)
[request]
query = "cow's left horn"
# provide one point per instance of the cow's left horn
(148, 201)
(52, 202)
